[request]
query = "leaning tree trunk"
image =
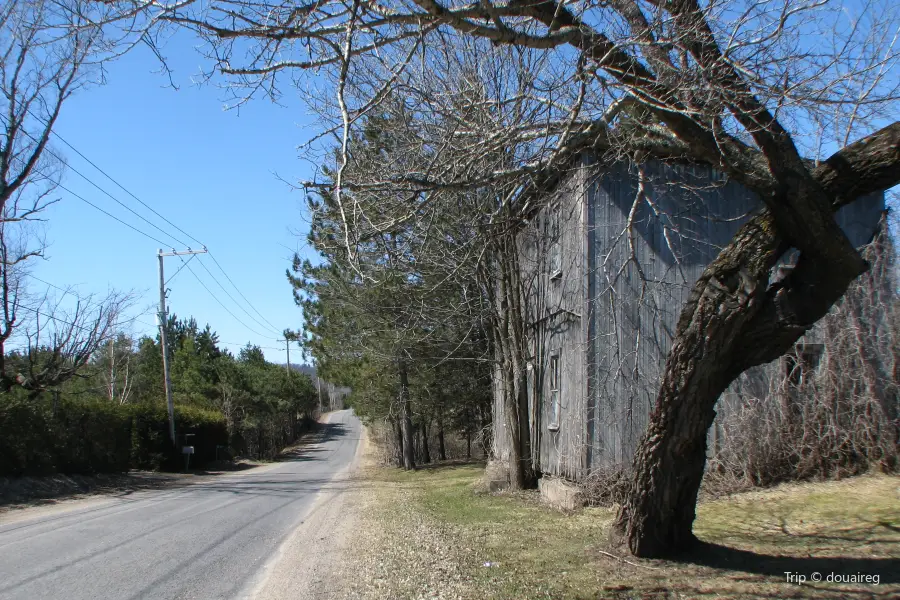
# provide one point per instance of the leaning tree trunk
(409, 460)
(732, 321)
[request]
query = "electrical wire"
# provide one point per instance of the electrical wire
(82, 299)
(267, 325)
(236, 303)
(179, 269)
(69, 323)
(212, 256)
(194, 273)
(116, 200)
(112, 216)
(111, 178)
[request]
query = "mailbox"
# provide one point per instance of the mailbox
(187, 449)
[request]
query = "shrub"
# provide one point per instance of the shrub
(77, 436)
(150, 445)
(38, 437)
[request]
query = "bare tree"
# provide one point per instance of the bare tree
(736, 85)
(48, 50)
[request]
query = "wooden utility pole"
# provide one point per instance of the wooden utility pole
(163, 322)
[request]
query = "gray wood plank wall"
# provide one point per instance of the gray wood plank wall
(638, 283)
(627, 263)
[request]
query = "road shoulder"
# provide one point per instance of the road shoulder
(310, 563)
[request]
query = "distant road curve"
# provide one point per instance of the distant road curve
(210, 540)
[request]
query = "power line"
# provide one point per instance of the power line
(265, 325)
(138, 319)
(116, 200)
(212, 256)
(221, 304)
(122, 187)
(69, 323)
(112, 216)
(120, 203)
(184, 264)
(236, 303)
(252, 344)
(55, 286)
(81, 299)
(268, 324)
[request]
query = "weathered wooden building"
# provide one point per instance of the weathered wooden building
(608, 265)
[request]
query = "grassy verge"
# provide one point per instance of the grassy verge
(511, 546)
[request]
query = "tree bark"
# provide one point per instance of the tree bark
(732, 321)
(398, 432)
(409, 461)
(508, 338)
(426, 454)
(442, 451)
(468, 433)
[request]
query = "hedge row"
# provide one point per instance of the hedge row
(73, 436)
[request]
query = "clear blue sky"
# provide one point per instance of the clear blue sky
(209, 171)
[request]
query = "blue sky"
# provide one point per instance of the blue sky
(211, 172)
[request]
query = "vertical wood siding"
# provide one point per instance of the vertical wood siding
(611, 313)
(637, 284)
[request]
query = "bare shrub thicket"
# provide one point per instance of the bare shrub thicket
(830, 406)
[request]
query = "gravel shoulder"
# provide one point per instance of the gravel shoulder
(388, 547)
(432, 534)
(310, 563)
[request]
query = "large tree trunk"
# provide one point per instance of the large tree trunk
(509, 341)
(442, 451)
(426, 453)
(734, 320)
(409, 461)
(397, 427)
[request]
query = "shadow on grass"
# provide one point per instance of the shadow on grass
(721, 557)
(451, 464)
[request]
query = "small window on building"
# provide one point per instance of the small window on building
(554, 250)
(554, 384)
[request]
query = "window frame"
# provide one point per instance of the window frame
(554, 385)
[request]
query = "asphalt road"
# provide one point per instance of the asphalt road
(215, 539)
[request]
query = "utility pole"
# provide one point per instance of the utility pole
(287, 346)
(163, 322)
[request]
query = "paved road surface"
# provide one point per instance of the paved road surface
(215, 539)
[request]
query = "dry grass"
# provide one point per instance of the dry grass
(751, 540)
